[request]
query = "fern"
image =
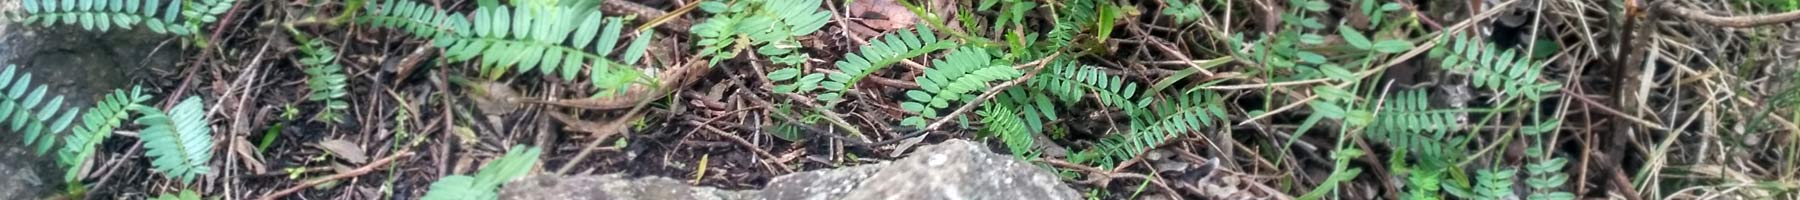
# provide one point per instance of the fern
(19, 109)
(1546, 177)
(953, 79)
(551, 39)
(767, 25)
(180, 142)
(1170, 118)
(1072, 17)
(96, 125)
(1423, 184)
(1071, 83)
(104, 15)
(1407, 121)
(1494, 68)
(183, 195)
(1183, 12)
(1003, 123)
(880, 53)
(1494, 184)
(516, 163)
(326, 80)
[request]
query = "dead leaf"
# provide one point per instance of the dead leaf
(247, 153)
(883, 15)
(493, 98)
(345, 150)
(600, 131)
(465, 134)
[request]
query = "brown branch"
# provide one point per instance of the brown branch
(365, 169)
(1731, 21)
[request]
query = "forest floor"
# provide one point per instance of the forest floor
(1215, 99)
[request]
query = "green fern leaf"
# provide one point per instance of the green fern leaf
(22, 113)
(1493, 68)
(954, 79)
(516, 163)
(1005, 124)
(1407, 121)
(96, 125)
(325, 78)
(180, 141)
(105, 15)
(1168, 119)
(769, 28)
(880, 53)
(551, 39)
(183, 195)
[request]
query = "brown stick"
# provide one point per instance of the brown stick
(365, 169)
(1732, 21)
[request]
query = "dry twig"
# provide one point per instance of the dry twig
(365, 169)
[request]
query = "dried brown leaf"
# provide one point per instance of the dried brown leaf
(345, 150)
(493, 98)
(883, 15)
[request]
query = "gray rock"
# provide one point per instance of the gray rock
(820, 184)
(960, 169)
(613, 187)
(955, 169)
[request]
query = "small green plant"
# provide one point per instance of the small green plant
(1003, 123)
(553, 39)
(956, 78)
(1168, 118)
(1494, 68)
(325, 78)
(1408, 122)
(23, 110)
(768, 26)
(178, 17)
(178, 142)
(96, 125)
(183, 195)
(1183, 12)
(516, 163)
(880, 53)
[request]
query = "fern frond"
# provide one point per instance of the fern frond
(96, 125)
(1072, 18)
(20, 110)
(104, 15)
(516, 163)
(325, 78)
(179, 142)
(767, 25)
(1546, 177)
(1406, 121)
(553, 40)
(1035, 107)
(880, 53)
(1494, 183)
(1423, 184)
(1072, 82)
(1003, 123)
(1494, 68)
(420, 20)
(1168, 119)
(183, 195)
(953, 79)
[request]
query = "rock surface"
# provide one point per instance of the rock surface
(614, 187)
(955, 169)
